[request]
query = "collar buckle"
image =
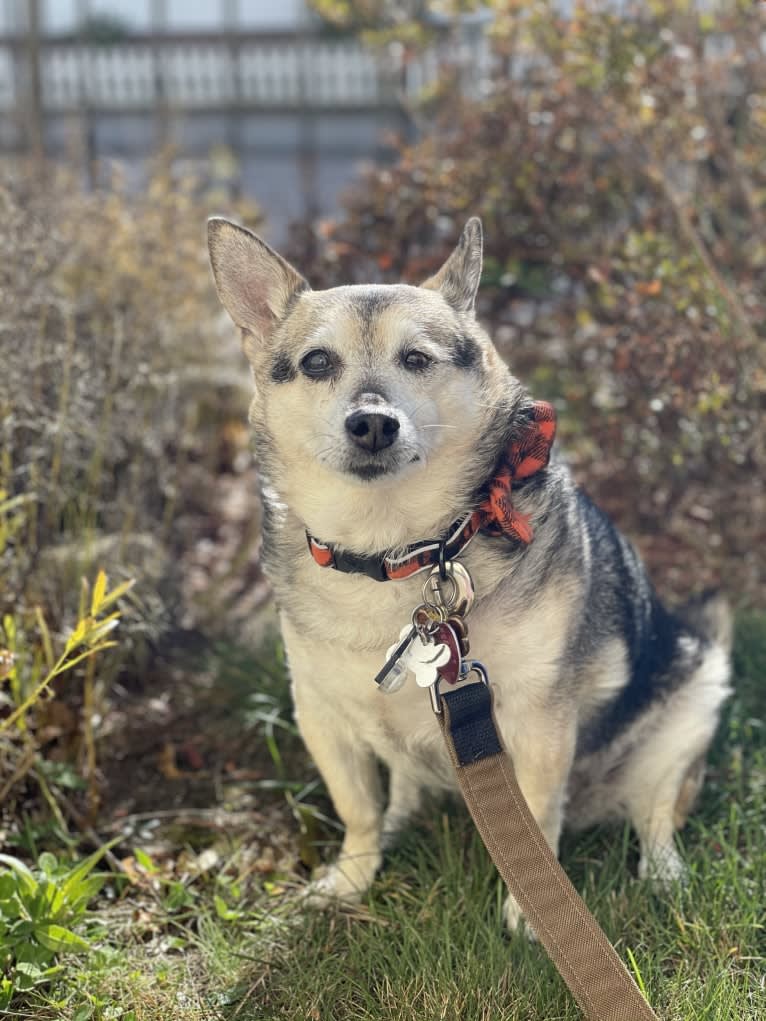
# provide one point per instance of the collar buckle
(352, 563)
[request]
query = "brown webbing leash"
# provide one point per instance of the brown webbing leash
(572, 937)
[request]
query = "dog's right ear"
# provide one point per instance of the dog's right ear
(253, 282)
(458, 279)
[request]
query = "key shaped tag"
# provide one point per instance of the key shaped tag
(393, 673)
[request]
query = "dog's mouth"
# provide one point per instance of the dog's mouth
(369, 469)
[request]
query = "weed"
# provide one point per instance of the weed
(39, 911)
(31, 668)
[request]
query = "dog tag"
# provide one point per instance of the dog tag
(393, 673)
(460, 628)
(450, 670)
(399, 659)
(424, 661)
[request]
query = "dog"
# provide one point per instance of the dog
(380, 414)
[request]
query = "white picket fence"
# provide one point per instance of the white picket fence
(215, 73)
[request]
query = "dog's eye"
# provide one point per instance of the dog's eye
(317, 363)
(416, 360)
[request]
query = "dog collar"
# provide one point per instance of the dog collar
(524, 456)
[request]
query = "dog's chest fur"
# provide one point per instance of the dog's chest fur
(337, 628)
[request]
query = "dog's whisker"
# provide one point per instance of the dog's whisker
(490, 407)
(323, 453)
(416, 409)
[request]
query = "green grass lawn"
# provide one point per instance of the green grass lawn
(428, 943)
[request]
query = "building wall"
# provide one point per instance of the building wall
(64, 15)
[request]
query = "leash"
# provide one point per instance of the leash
(571, 936)
(434, 648)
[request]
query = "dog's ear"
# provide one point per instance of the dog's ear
(458, 279)
(254, 283)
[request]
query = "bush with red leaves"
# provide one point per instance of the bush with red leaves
(619, 169)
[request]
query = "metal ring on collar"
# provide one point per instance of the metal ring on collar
(460, 597)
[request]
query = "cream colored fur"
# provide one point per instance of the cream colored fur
(337, 627)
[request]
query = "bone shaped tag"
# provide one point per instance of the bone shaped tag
(424, 661)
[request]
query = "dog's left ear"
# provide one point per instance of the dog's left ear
(458, 279)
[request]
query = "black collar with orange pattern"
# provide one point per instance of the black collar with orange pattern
(524, 456)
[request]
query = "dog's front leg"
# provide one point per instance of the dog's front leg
(542, 749)
(350, 772)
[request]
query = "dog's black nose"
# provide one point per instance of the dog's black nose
(372, 430)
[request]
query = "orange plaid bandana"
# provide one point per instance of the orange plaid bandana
(524, 457)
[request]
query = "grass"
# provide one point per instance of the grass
(427, 942)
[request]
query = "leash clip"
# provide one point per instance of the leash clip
(459, 594)
(468, 667)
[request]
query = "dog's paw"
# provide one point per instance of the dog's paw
(663, 867)
(514, 919)
(389, 838)
(393, 827)
(334, 887)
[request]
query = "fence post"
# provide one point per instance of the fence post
(87, 130)
(231, 18)
(159, 25)
(35, 114)
(307, 139)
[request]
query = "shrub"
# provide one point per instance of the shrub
(114, 380)
(617, 163)
(117, 395)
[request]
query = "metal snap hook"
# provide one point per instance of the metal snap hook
(456, 595)
(473, 666)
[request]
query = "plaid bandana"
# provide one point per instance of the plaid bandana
(523, 457)
(526, 455)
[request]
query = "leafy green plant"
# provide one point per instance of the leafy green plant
(39, 911)
(89, 637)
(12, 516)
(30, 667)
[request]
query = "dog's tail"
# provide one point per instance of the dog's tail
(709, 615)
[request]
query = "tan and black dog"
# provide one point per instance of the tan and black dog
(381, 413)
